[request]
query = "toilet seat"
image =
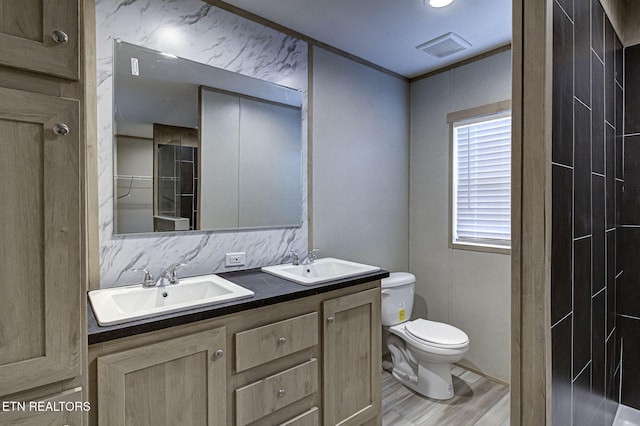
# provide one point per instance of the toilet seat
(436, 334)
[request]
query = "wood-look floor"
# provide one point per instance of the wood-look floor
(477, 401)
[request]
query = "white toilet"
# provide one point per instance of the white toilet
(422, 351)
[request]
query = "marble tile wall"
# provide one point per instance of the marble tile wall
(200, 32)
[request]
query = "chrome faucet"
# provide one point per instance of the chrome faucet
(170, 274)
(311, 256)
(293, 255)
(148, 278)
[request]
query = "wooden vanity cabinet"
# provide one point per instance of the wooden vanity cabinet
(283, 365)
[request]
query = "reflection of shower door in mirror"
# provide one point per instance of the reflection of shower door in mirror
(176, 176)
(167, 189)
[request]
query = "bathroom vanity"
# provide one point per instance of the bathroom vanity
(290, 355)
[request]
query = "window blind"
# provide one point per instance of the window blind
(482, 181)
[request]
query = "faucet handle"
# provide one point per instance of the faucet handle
(177, 266)
(311, 256)
(293, 255)
(173, 272)
(148, 278)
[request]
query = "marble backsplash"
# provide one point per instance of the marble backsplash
(200, 32)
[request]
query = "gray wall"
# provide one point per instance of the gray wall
(468, 289)
(134, 211)
(253, 162)
(133, 156)
(360, 162)
(219, 128)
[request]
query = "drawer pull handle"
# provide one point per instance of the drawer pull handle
(61, 129)
(282, 392)
(282, 340)
(331, 319)
(60, 37)
(219, 353)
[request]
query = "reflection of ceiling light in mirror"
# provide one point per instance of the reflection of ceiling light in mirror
(170, 38)
(438, 3)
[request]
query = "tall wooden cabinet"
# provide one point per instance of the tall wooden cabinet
(42, 249)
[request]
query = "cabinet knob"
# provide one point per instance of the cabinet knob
(59, 37)
(331, 319)
(219, 353)
(282, 392)
(61, 129)
(282, 340)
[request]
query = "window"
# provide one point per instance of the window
(481, 180)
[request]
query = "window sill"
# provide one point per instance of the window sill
(481, 248)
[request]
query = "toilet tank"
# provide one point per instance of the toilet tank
(397, 297)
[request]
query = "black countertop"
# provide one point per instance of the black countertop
(268, 290)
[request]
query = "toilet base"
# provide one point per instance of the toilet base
(432, 381)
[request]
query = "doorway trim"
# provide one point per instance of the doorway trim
(531, 219)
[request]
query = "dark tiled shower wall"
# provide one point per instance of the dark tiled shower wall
(586, 177)
(629, 290)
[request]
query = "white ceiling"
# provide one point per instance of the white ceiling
(386, 32)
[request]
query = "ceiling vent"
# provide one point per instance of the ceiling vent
(445, 45)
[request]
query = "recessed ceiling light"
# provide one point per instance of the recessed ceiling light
(439, 3)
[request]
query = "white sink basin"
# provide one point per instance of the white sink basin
(320, 271)
(121, 304)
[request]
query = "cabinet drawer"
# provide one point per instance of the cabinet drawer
(263, 397)
(308, 418)
(263, 344)
(65, 408)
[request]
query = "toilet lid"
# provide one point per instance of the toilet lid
(436, 332)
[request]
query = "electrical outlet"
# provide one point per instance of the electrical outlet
(234, 259)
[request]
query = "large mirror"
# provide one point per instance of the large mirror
(201, 148)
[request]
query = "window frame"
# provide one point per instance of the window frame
(477, 113)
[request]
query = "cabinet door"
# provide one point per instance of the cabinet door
(32, 36)
(352, 358)
(40, 241)
(180, 381)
